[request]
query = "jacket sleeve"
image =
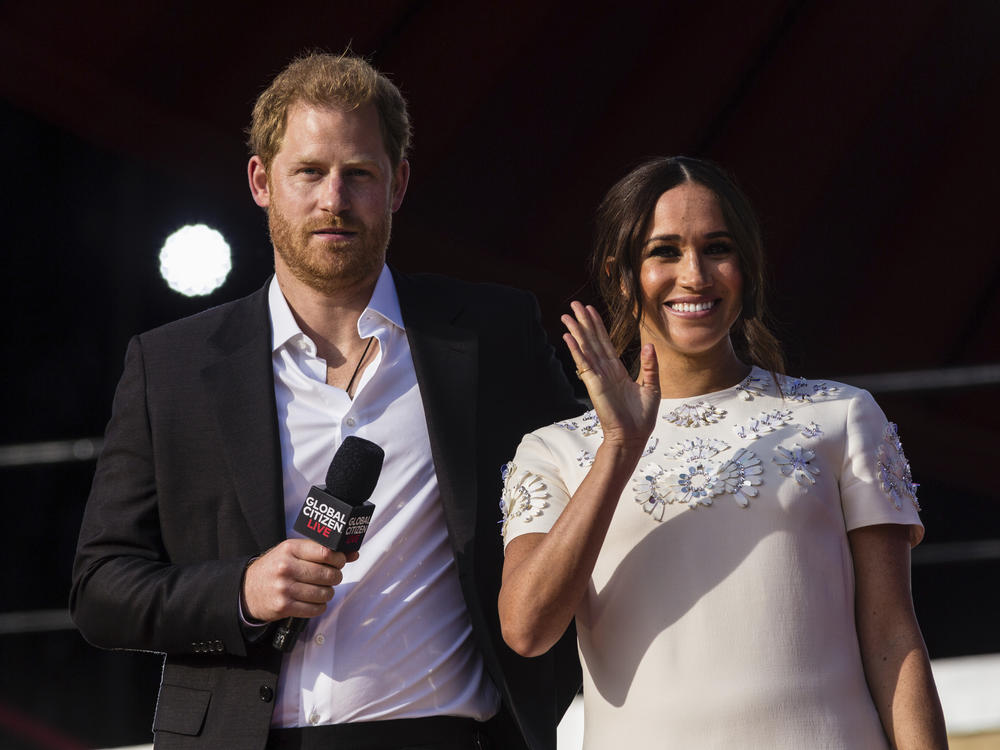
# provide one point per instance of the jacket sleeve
(128, 592)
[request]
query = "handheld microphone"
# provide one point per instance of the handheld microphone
(337, 515)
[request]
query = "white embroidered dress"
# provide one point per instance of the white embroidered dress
(720, 613)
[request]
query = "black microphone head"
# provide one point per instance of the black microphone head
(354, 470)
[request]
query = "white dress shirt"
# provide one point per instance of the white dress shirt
(396, 640)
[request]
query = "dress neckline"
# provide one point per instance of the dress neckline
(756, 381)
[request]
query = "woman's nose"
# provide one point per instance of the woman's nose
(693, 273)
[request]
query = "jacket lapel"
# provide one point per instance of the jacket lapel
(445, 358)
(241, 383)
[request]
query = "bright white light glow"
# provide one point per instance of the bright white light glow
(195, 260)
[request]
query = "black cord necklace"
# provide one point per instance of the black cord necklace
(358, 366)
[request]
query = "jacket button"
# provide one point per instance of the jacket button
(266, 693)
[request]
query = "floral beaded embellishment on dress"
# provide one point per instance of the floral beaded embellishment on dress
(524, 495)
(894, 470)
(688, 450)
(698, 483)
(741, 476)
(753, 386)
(587, 423)
(810, 430)
(701, 414)
(800, 389)
(700, 479)
(763, 423)
(794, 462)
(650, 446)
(652, 490)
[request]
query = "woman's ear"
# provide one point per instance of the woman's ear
(609, 264)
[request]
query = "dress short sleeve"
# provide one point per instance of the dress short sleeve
(876, 485)
(534, 490)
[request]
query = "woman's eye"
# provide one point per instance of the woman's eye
(719, 248)
(664, 251)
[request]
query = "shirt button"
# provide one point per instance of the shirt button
(320, 639)
(266, 693)
(349, 422)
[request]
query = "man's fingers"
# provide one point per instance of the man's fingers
(308, 594)
(307, 549)
(294, 579)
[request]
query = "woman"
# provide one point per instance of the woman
(734, 544)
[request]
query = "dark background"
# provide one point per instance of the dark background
(865, 133)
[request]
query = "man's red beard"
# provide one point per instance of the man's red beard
(322, 267)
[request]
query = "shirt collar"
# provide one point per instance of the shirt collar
(283, 325)
(383, 305)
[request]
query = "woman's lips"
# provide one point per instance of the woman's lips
(700, 306)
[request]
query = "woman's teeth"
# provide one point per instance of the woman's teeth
(691, 306)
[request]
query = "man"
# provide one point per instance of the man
(222, 421)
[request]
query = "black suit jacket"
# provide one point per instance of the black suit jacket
(188, 489)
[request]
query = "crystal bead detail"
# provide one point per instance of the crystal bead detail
(752, 386)
(701, 414)
(587, 423)
(740, 477)
(763, 423)
(688, 450)
(524, 495)
(893, 470)
(794, 462)
(800, 389)
(810, 430)
(652, 490)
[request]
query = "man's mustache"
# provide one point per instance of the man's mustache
(339, 223)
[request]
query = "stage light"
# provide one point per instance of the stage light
(195, 260)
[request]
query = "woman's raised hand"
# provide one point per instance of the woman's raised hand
(627, 408)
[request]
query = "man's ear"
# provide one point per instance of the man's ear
(259, 188)
(400, 180)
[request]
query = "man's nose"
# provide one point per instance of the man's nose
(335, 196)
